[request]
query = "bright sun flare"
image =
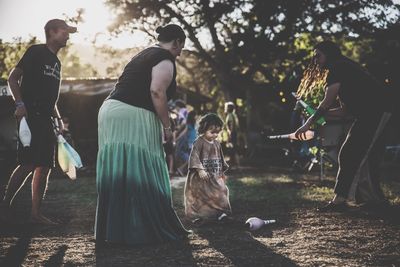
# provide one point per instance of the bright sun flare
(25, 18)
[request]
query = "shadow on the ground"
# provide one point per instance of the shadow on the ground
(239, 247)
(168, 254)
(57, 258)
(16, 254)
(390, 214)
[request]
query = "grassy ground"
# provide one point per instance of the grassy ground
(301, 236)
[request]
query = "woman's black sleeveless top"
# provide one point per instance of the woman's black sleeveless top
(133, 86)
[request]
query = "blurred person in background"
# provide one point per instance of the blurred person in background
(185, 142)
(232, 126)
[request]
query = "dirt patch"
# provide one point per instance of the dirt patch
(301, 236)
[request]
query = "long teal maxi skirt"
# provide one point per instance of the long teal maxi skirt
(134, 204)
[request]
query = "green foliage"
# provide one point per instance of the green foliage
(73, 67)
(115, 67)
(277, 189)
(11, 53)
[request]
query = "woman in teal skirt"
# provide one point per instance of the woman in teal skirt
(134, 203)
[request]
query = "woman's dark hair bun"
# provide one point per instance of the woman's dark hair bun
(170, 32)
(159, 29)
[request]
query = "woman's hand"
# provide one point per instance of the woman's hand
(203, 175)
(299, 132)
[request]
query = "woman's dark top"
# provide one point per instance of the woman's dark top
(133, 86)
(361, 94)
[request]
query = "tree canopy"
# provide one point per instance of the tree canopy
(245, 42)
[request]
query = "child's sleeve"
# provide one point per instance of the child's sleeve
(194, 159)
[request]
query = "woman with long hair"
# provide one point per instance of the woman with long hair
(366, 100)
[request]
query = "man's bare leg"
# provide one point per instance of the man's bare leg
(17, 180)
(15, 183)
(39, 186)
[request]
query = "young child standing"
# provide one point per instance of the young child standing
(206, 194)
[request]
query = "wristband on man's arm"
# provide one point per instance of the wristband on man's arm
(19, 103)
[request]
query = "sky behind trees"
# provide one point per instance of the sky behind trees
(26, 18)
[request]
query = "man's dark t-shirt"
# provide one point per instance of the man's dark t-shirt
(40, 87)
(133, 86)
(41, 80)
(361, 94)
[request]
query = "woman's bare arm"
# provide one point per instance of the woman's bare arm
(161, 77)
(331, 95)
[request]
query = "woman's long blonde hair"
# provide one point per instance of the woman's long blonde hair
(313, 81)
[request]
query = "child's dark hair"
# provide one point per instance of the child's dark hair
(209, 120)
